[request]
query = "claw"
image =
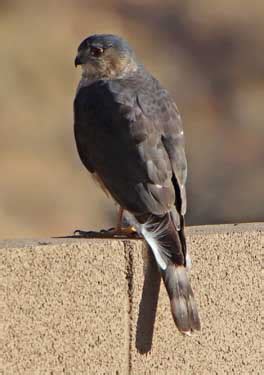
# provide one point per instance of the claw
(127, 232)
(107, 230)
(86, 234)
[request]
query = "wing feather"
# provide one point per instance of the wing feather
(125, 132)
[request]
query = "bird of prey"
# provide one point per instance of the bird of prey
(129, 135)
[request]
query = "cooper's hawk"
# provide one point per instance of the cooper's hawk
(129, 136)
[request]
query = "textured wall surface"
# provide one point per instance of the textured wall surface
(78, 306)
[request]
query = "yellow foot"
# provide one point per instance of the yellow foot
(123, 231)
(126, 232)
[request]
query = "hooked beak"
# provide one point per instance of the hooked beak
(77, 61)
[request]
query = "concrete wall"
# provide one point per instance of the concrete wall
(77, 306)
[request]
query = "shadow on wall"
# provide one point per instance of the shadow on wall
(148, 305)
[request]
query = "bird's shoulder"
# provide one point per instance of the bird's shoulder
(143, 96)
(133, 96)
(149, 94)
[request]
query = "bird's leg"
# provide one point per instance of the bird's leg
(119, 219)
(126, 231)
(119, 231)
(122, 231)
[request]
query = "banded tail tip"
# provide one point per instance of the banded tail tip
(183, 306)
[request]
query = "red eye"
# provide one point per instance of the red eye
(96, 51)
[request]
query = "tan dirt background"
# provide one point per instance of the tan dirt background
(210, 56)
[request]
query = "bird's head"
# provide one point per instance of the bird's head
(105, 57)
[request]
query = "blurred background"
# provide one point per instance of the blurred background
(209, 54)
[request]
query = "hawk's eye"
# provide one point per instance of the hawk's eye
(96, 51)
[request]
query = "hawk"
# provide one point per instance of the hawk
(129, 135)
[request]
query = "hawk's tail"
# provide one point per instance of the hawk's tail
(183, 306)
(169, 248)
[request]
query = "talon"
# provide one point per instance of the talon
(79, 232)
(86, 234)
(108, 233)
(107, 230)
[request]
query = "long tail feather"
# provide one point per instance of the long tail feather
(169, 248)
(183, 306)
